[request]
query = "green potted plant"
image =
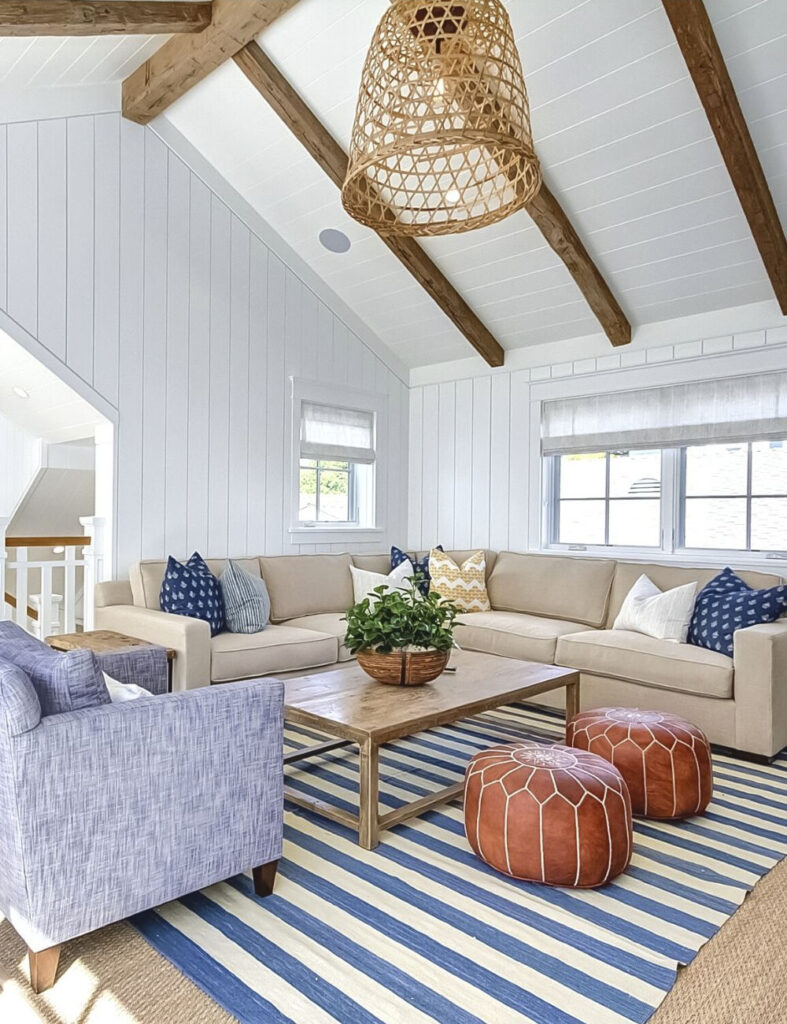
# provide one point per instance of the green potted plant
(401, 637)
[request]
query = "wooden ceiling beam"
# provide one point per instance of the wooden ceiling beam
(318, 141)
(700, 49)
(558, 231)
(184, 61)
(115, 17)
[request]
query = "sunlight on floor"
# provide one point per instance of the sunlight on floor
(74, 999)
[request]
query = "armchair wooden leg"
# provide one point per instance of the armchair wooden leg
(264, 878)
(43, 967)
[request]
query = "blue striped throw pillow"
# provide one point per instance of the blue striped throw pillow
(247, 606)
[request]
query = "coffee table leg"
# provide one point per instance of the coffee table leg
(368, 816)
(572, 700)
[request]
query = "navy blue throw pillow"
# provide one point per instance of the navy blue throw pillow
(420, 565)
(193, 590)
(726, 604)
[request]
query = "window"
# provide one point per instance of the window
(334, 478)
(734, 496)
(327, 492)
(729, 497)
(607, 498)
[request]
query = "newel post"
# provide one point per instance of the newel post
(93, 556)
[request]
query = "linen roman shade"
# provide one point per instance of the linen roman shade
(329, 432)
(711, 411)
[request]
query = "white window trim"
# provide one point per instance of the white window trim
(671, 519)
(329, 394)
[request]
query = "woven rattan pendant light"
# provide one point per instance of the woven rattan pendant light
(441, 141)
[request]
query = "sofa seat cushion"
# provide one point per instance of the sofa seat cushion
(513, 634)
(620, 654)
(277, 649)
(331, 623)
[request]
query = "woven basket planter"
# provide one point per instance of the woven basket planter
(403, 668)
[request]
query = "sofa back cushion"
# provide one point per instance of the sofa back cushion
(146, 577)
(668, 576)
(62, 682)
(555, 586)
(373, 563)
(307, 584)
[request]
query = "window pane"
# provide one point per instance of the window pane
(769, 468)
(334, 496)
(307, 500)
(769, 524)
(583, 476)
(581, 522)
(716, 469)
(324, 464)
(715, 523)
(635, 522)
(634, 474)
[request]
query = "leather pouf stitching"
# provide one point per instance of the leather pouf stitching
(548, 814)
(665, 760)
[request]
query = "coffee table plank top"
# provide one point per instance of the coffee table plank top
(347, 703)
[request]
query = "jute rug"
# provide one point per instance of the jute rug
(115, 976)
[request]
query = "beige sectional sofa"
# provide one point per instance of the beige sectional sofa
(548, 608)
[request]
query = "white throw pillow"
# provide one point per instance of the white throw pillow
(119, 692)
(665, 615)
(365, 581)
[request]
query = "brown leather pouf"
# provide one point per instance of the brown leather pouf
(548, 814)
(665, 760)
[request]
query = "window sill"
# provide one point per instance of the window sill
(683, 556)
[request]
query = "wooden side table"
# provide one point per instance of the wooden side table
(105, 641)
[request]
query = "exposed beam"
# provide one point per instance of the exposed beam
(116, 17)
(182, 62)
(309, 130)
(705, 62)
(559, 232)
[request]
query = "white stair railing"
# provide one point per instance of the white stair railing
(46, 611)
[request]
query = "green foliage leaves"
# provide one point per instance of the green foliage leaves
(401, 618)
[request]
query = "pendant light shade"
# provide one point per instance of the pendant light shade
(441, 141)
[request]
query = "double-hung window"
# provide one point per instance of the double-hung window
(336, 465)
(691, 467)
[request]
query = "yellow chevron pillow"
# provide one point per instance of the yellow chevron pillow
(464, 585)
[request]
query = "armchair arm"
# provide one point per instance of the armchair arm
(189, 638)
(125, 806)
(145, 666)
(760, 656)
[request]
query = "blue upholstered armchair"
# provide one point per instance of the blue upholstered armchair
(113, 809)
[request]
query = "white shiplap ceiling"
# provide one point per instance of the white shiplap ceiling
(622, 136)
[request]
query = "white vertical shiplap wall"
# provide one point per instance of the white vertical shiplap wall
(132, 273)
(20, 454)
(469, 455)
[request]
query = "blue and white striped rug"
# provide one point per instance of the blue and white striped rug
(420, 930)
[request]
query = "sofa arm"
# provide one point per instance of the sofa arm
(760, 656)
(126, 806)
(189, 638)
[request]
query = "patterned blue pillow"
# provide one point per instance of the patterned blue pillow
(420, 565)
(726, 604)
(193, 590)
(247, 606)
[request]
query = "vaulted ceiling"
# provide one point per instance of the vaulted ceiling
(617, 122)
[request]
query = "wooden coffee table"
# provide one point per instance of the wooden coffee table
(347, 704)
